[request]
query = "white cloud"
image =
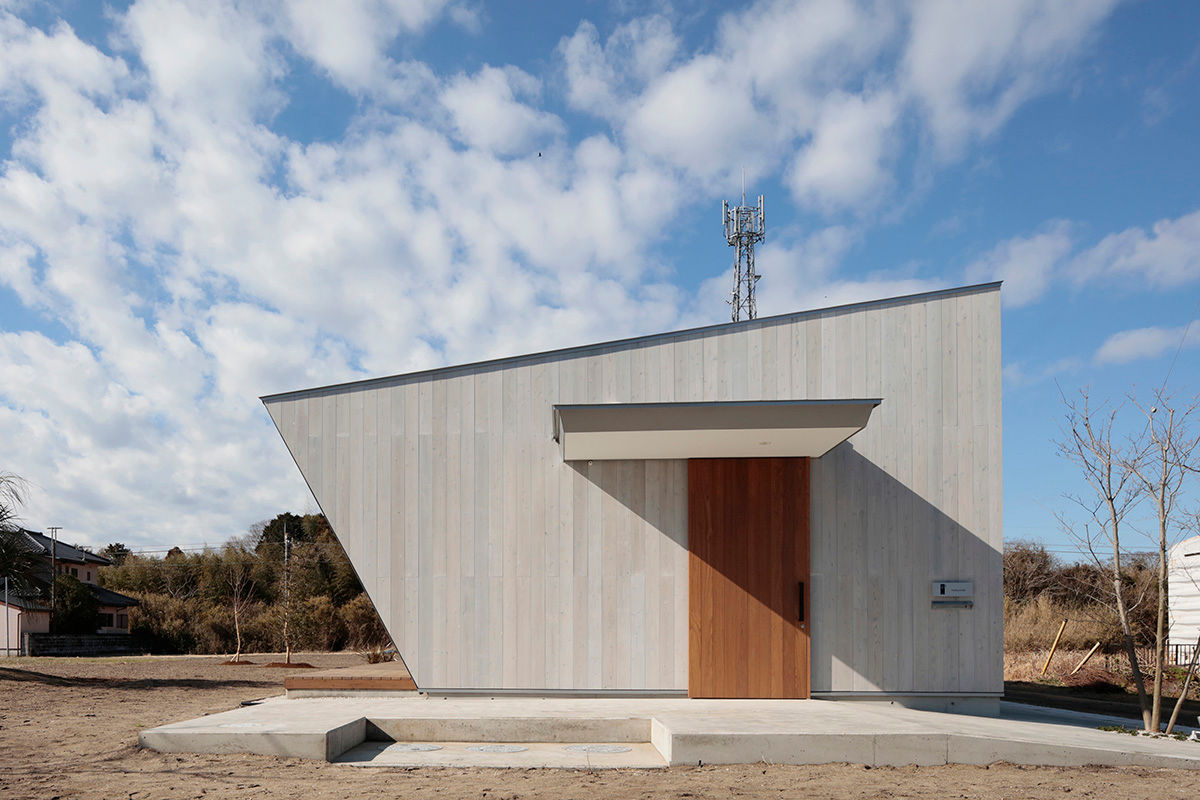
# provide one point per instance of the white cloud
(698, 117)
(823, 87)
(601, 78)
(845, 163)
(487, 113)
(349, 38)
(1019, 373)
(205, 57)
(1145, 343)
(1166, 257)
(1027, 265)
(969, 65)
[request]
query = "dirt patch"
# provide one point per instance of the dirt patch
(68, 729)
(286, 665)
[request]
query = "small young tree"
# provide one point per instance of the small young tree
(1105, 468)
(238, 583)
(1159, 460)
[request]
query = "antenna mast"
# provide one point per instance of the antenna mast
(745, 226)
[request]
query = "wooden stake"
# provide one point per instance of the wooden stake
(1054, 646)
(1095, 647)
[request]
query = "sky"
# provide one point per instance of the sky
(205, 202)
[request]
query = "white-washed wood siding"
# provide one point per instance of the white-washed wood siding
(496, 565)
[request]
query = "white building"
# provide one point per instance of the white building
(807, 504)
(1183, 597)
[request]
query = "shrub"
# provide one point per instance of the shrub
(75, 607)
(364, 628)
(316, 625)
(163, 623)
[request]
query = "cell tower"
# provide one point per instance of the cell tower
(745, 226)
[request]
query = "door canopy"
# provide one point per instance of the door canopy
(787, 428)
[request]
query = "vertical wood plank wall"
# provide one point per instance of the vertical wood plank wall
(497, 566)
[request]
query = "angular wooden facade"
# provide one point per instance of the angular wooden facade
(497, 565)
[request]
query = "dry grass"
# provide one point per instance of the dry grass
(1031, 626)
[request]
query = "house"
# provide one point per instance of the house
(22, 615)
(32, 614)
(1183, 593)
(805, 505)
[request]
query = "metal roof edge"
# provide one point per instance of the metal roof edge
(837, 401)
(632, 340)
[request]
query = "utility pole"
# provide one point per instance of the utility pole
(287, 593)
(54, 529)
(7, 641)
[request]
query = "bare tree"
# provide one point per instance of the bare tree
(238, 577)
(1105, 467)
(1028, 569)
(1159, 461)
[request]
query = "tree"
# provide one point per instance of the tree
(237, 577)
(23, 568)
(271, 535)
(116, 553)
(12, 497)
(1088, 443)
(1159, 461)
(75, 607)
(1029, 569)
(18, 563)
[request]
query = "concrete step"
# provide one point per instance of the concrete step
(510, 755)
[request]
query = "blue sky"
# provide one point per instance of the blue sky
(203, 202)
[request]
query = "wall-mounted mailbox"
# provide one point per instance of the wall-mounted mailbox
(953, 594)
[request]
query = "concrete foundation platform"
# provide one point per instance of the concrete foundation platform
(681, 731)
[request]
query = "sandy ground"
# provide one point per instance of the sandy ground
(68, 729)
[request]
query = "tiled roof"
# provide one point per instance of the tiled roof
(42, 544)
(107, 597)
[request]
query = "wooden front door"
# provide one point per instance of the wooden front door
(748, 582)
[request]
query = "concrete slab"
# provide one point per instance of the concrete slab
(682, 731)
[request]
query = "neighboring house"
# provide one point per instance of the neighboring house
(1183, 593)
(25, 615)
(31, 614)
(807, 504)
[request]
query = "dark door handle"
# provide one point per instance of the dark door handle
(801, 586)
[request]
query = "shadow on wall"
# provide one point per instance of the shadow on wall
(876, 548)
(654, 490)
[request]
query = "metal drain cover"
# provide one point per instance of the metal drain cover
(497, 748)
(598, 748)
(412, 747)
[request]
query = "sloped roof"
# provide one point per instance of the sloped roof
(43, 544)
(25, 603)
(107, 597)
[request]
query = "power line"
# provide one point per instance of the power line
(1182, 341)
